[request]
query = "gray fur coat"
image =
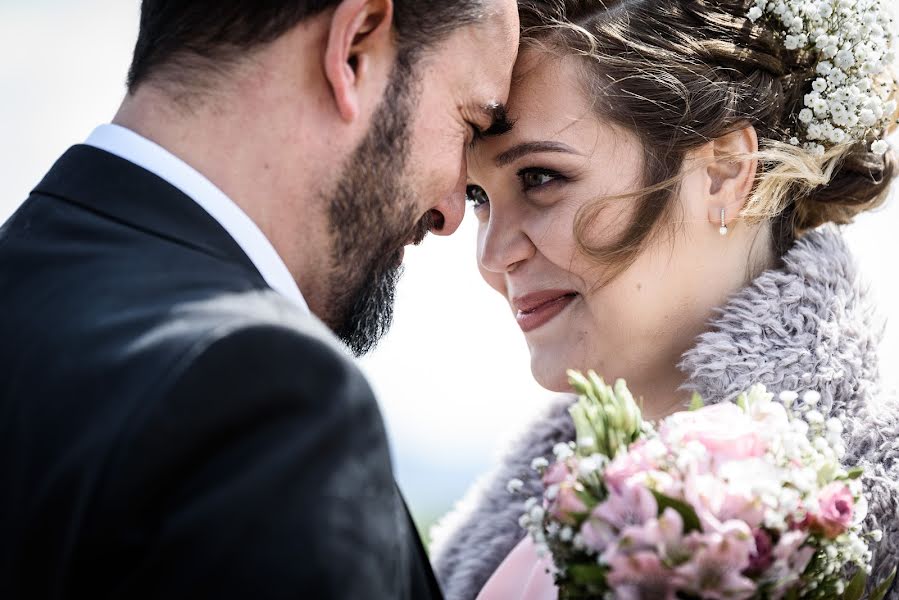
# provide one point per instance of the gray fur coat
(807, 325)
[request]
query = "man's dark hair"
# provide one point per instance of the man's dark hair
(186, 42)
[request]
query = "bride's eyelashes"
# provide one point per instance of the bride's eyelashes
(476, 196)
(531, 179)
(535, 178)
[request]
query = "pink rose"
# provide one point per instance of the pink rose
(640, 458)
(725, 431)
(567, 504)
(835, 508)
(556, 474)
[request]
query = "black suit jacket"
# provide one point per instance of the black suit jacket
(170, 427)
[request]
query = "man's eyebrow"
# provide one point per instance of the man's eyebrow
(499, 120)
(518, 151)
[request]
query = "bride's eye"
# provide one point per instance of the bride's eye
(535, 178)
(476, 195)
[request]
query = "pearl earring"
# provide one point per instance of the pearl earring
(723, 230)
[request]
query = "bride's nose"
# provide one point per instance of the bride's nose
(503, 244)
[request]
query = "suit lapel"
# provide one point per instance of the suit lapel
(422, 567)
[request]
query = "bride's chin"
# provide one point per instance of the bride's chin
(549, 372)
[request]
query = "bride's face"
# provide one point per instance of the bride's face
(527, 188)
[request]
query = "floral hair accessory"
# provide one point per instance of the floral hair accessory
(853, 43)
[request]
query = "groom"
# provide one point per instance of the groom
(177, 419)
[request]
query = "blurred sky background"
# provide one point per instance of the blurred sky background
(453, 375)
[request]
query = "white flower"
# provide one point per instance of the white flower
(814, 417)
(845, 59)
(835, 425)
(866, 117)
(880, 147)
(788, 398)
(824, 67)
(794, 141)
(811, 398)
(515, 486)
(851, 42)
(539, 463)
(562, 451)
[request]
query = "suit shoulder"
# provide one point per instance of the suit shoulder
(265, 337)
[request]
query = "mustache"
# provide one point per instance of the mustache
(422, 228)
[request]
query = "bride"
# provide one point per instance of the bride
(664, 211)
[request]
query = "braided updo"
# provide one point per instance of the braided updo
(679, 73)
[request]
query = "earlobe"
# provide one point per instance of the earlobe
(353, 32)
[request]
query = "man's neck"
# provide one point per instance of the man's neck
(236, 157)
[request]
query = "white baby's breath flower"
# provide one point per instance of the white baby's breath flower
(788, 398)
(866, 117)
(515, 486)
(539, 463)
(835, 425)
(811, 398)
(551, 492)
(807, 116)
(563, 451)
(880, 147)
(755, 13)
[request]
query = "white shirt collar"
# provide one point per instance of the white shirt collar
(126, 144)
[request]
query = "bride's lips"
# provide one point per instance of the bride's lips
(539, 308)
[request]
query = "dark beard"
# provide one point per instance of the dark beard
(370, 214)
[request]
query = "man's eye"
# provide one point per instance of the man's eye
(476, 195)
(535, 178)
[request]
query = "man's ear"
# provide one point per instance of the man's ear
(729, 174)
(359, 30)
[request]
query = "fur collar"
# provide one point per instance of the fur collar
(806, 325)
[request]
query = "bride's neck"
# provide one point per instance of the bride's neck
(659, 394)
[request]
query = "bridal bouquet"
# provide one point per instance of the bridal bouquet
(744, 500)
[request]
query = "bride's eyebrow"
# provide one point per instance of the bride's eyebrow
(520, 150)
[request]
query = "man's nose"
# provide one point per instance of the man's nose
(447, 216)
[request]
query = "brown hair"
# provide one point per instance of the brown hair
(187, 44)
(679, 73)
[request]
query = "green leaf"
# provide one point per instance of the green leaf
(686, 512)
(855, 473)
(583, 574)
(696, 402)
(884, 586)
(856, 587)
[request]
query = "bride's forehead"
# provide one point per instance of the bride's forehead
(544, 83)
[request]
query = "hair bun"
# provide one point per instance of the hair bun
(860, 181)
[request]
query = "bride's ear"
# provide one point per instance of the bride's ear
(728, 174)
